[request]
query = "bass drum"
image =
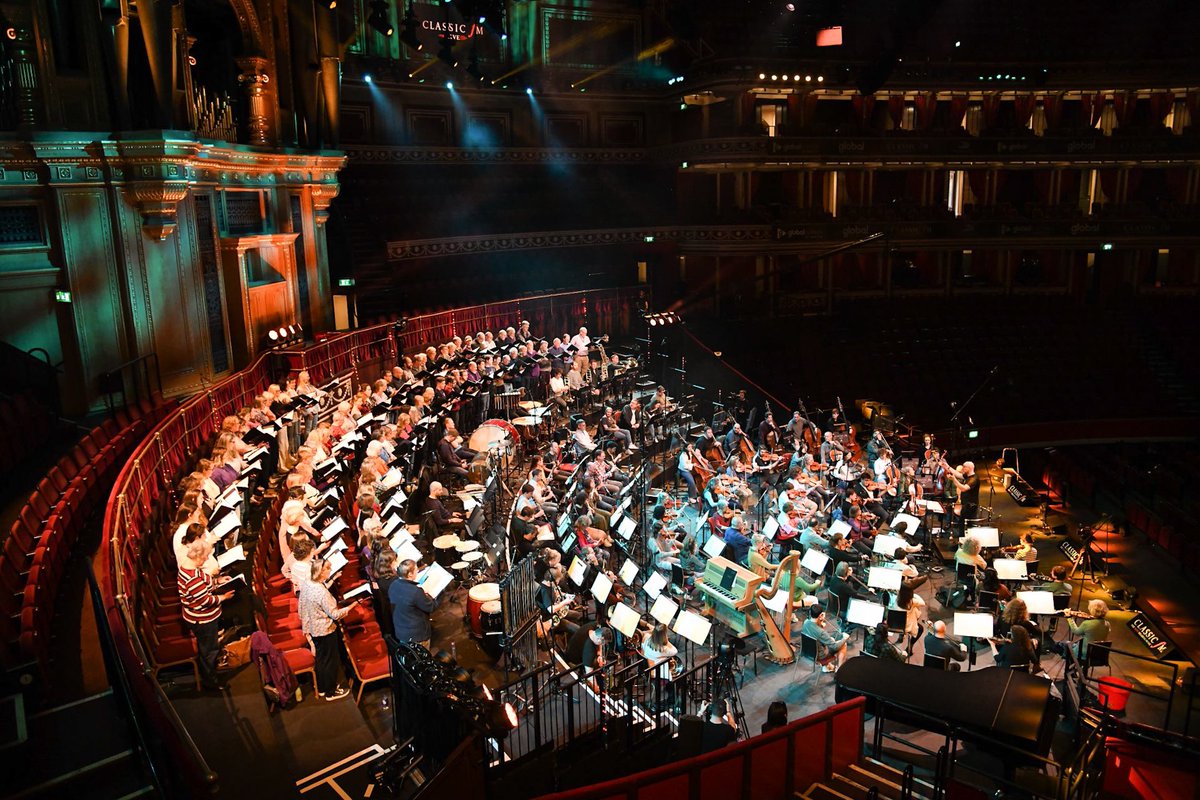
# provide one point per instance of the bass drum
(492, 624)
(494, 434)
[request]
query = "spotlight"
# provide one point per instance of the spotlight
(790, 6)
(510, 715)
(653, 321)
(774, 77)
(409, 35)
(367, 78)
(329, 4)
(446, 53)
(283, 333)
(379, 19)
(529, 91)
(450, 85)
(273, 335)
(820, 79)
(762, 76)
(292, 330)
(795, 77)
(808, 78)
(473, 68)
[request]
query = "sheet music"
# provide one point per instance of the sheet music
(770, 528)
(714, 546)
(408, 552)
(1011, 569)
(1038, 602)
(934, 506)
(778, 601)
(544, 533)
(624, 619)
(864, 612)
(887, 545)
(883, 578)
(338, 544)
(692, 627)
(814, 561)
(434, 578)
(838, 526)
(393, 477)
(393, 522)
(396, 500)
(228, 524)
(912, 523)
(654, 585)
(987, 537)
(401, 538)
(230, 556)
(978, 625)
(628, 573)
(362, 589)
(577, 570)
(601, 587)
(664, 609)
(627, 527)
(335, 527)
(336, 561)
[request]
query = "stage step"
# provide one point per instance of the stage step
(58, 762)
(921, 787)
(819, 791)
(868, 778)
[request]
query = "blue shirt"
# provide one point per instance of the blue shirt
(737, 545)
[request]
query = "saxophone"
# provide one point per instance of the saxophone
(603, 361)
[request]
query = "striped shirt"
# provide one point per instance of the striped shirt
(200, 602)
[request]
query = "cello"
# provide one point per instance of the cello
(811, 435)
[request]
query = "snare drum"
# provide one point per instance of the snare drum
(460, 569)
(529, 405)
(491, 623)
(474, 559)
(494, 434)
(444, 549)
(480, 593)
(467, 546)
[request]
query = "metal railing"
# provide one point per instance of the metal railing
(137, 379)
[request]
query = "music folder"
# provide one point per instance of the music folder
(434, 578)
(1038, 602)
(336, 561)
(814, 561)
(1011, 569)
(884, 578)
(981, 626)
(654, 584)
(233, 554)
(692, 626)
(987, 537)
(577, 570)
(664, 609)
(864, 612)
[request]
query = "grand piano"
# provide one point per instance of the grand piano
(991, 704)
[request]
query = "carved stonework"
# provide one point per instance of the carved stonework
(256, 83)
(322, 195)
(158, 203)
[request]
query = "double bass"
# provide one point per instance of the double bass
(811, 436)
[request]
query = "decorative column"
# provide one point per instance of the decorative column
(21, 50)
(260, 100)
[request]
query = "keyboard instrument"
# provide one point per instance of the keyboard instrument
(730, 590)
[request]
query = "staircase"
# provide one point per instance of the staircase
(80, 749)
(867, 780)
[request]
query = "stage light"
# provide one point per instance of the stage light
(653, 322)
(510, 715)
(379, 17)
(292, 330)
(450, 85)
(473, 70)
(808, 78)
(958, 44)
(367, 78)
(529, 91)
(1106, 246)
(446, 53)
(273, 335)
(774, 77)
(820, 79)
(790, 6)
(795, 77)
(409, 35)
(283, 333)
(762, 76)
(482, 20)
(329, 4)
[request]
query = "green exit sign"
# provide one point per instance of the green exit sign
(62, 297)
(346, 282)
(972, 434)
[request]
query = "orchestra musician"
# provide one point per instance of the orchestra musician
(634, 419)
(938, 643)
(658, 651)
(555, 607)
(828, 448)
(660, 405)
(835, 647)
(710, 447)
(588, 646)
(769, 435)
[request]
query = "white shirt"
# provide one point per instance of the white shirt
(585, 439)
(580, 342)
(881, 468)
(557, 384)
(685, 461)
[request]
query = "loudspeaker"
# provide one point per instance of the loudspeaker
(691, 734)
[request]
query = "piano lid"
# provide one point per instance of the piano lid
(995, 701)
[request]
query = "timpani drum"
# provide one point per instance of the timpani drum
(491, 623)
(444, 548)
(527, 425)
(480, 593)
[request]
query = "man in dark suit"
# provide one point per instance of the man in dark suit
(437, 509)
(585, 649)
(411, 606)
(936, 644)
(842, 587)
(633, 418)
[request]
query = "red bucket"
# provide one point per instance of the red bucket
(1114, 693)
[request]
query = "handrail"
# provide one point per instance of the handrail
(146, 476)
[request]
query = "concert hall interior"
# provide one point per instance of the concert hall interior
(584, 399)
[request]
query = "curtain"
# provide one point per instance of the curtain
(895, 110)
(991, 107)
(864, 106)
(926, 108)
(978, 179)
(1108, 184)
(1023, 106)
(1052, 106)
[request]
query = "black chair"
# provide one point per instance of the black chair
(810, 648)
(1097, 656)
(897, 620)
(935, 662)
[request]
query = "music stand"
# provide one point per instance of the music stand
(864, 613)
(884, 578)
(654, 585)
(973, 626)
(815, 561)
(1011, 569)
(988, 538)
